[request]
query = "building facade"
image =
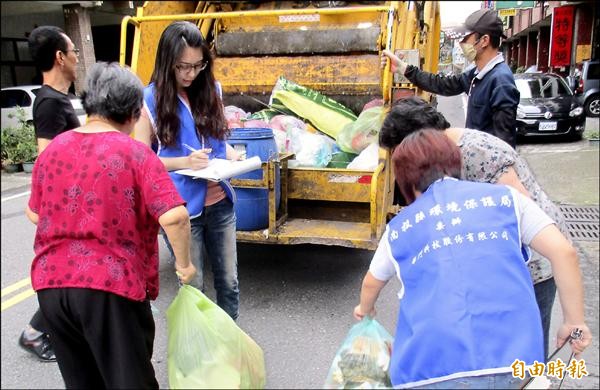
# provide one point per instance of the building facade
(534, 38)
(94, 27)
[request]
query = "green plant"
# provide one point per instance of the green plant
(28, 145)
(593, 135)
(8, 143)
(18, 143)
(27, 151)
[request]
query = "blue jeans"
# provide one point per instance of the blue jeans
(544, 295)
(214, 230)
(493, 381)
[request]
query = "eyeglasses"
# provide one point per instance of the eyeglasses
(76, 51)
(185, 68)
(477, 36)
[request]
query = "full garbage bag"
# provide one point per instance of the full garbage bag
(256, 123)
(283, 126)
(206, 349)
(340, 159)
(367, 160)
(311, 150)
(327, 115)
(356, 136)
(363, 360)
(234, 116)
(286, 123)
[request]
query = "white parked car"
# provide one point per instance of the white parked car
(23, 96)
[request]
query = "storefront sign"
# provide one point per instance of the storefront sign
(507, 12)
(583, 52)
(562, 36)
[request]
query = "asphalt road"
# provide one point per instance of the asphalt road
(296, 301)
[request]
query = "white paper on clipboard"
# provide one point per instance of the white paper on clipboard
(220, 169)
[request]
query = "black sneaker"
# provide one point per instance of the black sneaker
(39, 346)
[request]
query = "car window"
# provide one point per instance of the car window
(15, 97)
(593, 72)
(542, 87)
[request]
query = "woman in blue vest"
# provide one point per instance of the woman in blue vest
(468, 314)
(485, 159)
(183, 121)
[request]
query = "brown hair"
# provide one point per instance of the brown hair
(422, 158)
(205, 100)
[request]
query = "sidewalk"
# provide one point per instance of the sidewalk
(13, 183)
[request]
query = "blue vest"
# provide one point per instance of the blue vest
(468, 305)
(193, 191)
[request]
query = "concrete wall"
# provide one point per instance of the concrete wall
(531, 48)
(543, 54)
(79, 28)
(18, 26)
(523, 51)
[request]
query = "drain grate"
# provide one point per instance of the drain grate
(582, 221)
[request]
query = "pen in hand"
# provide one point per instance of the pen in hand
(188, 147)
(197, 161)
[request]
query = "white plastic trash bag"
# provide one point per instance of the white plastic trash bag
(367, 160)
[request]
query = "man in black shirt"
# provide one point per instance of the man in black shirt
(56, 56)
(53, 113)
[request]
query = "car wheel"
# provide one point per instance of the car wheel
(592, 106)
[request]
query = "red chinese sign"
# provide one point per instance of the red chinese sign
(562, 36)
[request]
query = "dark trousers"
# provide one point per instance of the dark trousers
(544, 295)
(101, 340)
(37, 322)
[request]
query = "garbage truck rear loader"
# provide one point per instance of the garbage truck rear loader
(332, 47)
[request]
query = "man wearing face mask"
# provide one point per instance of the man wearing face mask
(490, 86)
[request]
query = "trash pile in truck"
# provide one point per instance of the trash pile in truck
(318, 130)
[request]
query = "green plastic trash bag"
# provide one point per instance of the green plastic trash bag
(363, 360)
(264, 114)
(207, 350)
(356, 136)
(341, 159)
(324, 113)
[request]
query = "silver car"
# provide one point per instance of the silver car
(590, 88)
(23, 96)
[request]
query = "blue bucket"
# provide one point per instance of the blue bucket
(252, 205)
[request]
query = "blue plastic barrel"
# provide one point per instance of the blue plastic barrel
(252, 205)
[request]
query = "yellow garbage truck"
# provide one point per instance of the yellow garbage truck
(332, 47)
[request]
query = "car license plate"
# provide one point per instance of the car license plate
(547, 126)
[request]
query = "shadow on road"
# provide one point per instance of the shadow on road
(546, 139)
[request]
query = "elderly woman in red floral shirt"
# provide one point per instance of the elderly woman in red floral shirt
(98, 198)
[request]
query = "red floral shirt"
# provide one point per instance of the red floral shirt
(99, 197)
